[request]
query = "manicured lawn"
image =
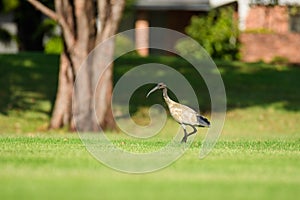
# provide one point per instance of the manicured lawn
(58, 167)
(257, 156)
(27, 89)
(262, 99)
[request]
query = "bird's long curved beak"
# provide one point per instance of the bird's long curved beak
(155, 88)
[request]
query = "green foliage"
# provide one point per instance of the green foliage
(294, 10)
(122, 43)
(129, 8)
(8, 5)
(31, 28)
(46, 27)
(259, 31)
(279, 60)
(187, 47)
(217, 32)
(54, 45)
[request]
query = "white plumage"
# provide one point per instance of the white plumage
(183, 114)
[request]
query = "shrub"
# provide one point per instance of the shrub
(279, 60)
(217, 32)
(54, 45)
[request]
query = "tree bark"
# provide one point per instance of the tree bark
(110, 13)
(63, 103)
(77, 19)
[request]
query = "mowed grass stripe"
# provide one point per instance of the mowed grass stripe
(58, 166)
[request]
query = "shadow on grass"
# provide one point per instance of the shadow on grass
(260, 84)
(246, 84)
(26, 79)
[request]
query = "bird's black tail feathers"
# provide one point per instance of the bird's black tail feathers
(203, 122)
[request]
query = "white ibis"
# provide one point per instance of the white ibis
(184, 115)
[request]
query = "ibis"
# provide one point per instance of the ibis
(183, 114)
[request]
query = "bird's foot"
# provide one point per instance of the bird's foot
(184, 140)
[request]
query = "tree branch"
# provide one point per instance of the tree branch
(44, 9)
(62, 11)
(70, 39)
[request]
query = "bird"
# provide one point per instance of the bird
(183, 114)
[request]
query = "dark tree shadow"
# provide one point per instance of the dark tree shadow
(26, 79)
(260, 84)
(29, 78)
(246, 84)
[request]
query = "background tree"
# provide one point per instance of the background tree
(31, 26)
(84, 24)
(217, 32)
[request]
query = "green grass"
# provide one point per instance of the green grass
(28, 83)
(59, 167)
(262, 98)
(257, 156)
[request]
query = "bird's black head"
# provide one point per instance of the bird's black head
(158, 86)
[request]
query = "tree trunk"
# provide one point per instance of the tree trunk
(77, 19)
(63, 103)
(110, 13)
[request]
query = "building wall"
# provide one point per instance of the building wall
(268, 35)
(6, 22)
(172, 19)
(267, 17)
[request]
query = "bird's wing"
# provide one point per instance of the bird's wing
(189, 116)
(183, 114)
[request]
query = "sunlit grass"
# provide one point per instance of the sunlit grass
(262, 99)
(256, 157)
(32, 167)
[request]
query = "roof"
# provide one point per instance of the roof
(280, 2)
(289, 2)
(195, 5)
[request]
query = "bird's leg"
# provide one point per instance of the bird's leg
(184, 137)
(193, 132)
(185, 134)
